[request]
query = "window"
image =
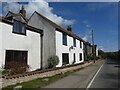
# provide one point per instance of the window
(65, 58)
(74, 42)
(80, 44)
(19, 27)
(17, 56)
(74, 58)
(80, 56)
(64, 39)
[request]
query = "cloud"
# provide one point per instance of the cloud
(40, 6)
(101, 48)
(86, 37)
(88, 33)
(86, 23)
(88, 26)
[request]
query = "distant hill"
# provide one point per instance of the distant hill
(110, 55)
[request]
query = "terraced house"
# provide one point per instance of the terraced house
(32, 41)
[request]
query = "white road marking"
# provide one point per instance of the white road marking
(94, 77)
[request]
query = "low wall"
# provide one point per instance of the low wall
(10, 80)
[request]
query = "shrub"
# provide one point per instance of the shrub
(53, 61)
(4, 72)
(89, 57)
(17, 67)
(97, 57)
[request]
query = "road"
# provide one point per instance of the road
(108, 76)
(102, 74)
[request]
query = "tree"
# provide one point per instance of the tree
(101, 53)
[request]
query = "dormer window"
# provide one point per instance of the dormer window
(19, 27)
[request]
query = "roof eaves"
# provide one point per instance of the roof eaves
(59, 27)
(14, 15)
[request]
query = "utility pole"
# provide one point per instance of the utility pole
(93, 46)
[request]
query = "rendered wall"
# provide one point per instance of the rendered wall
(30, 42)
(65, 49)
(48, 36)
(1, 45)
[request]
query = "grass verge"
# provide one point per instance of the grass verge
(40, 82)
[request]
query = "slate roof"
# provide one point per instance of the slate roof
(20, 17)
(59, 28)
(10, 16)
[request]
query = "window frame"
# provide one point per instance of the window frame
(64, 38)
(64, 62)
(74, 57)
(12, 52)
(80, 56)
(19, 26)
(74, 42)
(80, 44)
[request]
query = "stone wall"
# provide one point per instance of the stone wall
(15, 80)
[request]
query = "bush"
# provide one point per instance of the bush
(5, 72)
(89, 57)
(97, 57)
(16, 67)
(53, 61)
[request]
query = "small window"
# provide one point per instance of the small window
(19, 27)
(65, 58)
(74, 58)
(80, 56)
(64, 39)
(80, 44)
(74, 42)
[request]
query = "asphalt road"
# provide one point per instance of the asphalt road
(108, 76)
(102, 74)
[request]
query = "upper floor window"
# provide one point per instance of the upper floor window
(80, 44)
(19, 27)
(74, 42)
(64, 39)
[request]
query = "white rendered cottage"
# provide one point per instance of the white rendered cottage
(19, 41)
(58, 41)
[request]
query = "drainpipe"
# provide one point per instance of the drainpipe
(41, 50)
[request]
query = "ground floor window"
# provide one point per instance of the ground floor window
(74, 59)
(80, 56)
(65, 58)
(16, 56)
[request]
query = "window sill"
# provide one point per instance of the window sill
(64, 44)
(20, 33)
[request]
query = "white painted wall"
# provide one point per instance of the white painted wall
(65, 49)
(96, 51)
(49, 47)
(0, 45)
(30, 42)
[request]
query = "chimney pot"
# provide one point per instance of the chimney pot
(23, 11)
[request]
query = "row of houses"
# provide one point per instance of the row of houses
(34, 40)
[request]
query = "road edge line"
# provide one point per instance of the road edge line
(94, 77)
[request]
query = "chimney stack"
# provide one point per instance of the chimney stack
(23, 11)
(69, 28)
